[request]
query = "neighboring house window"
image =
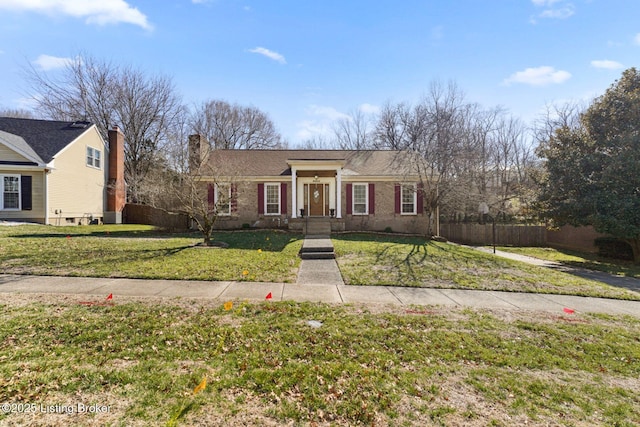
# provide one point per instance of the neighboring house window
(93, 157)
(272, 199)
(10, 192)
(408, 199)
(223, 199)
(360, 199)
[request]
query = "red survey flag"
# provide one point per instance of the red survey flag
(269, 296)
(110, 297)
(569, 310)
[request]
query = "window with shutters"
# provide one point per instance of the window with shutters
(223, 199)
(360, 199)
(408, 199)
(10, 195)
(272, 199)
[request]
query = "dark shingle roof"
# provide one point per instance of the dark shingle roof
(46, 137)
(275, 162)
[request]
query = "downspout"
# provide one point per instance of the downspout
(46, 196)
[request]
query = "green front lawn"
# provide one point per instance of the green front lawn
(580, 259)
(265, 365)
(369, 259)
(142, 252)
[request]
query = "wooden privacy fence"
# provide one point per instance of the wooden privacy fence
(143, 214)
(482, 234)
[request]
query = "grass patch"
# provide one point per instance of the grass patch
(580, 259)
(414, 261)
(265, 365)
(142, 252)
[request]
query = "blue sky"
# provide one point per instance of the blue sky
(308, 63)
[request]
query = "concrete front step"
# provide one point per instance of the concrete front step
(317, 247)
(318, 255)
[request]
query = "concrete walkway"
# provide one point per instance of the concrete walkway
(318, 272)
(630, 283)
(96, 289)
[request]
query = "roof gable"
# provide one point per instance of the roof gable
(46, 138)
(17, 145)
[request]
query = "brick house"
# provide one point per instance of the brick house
(59, 173)
(327, 190)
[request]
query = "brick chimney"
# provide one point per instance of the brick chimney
(116, 192)
(198, 152)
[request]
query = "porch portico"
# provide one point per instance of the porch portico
(316, 187)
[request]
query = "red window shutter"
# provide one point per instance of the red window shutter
(398, 195)
(234, 198)
(261, 198)
(372, 198)
(420, 197)
(211, 198)
(283, 198)
(349, 199)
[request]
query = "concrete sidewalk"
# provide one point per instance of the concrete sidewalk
(98, 288)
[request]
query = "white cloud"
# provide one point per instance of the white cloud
(319, 123)
(369, 108)
(269, 54)
(540, 76)
(606, 64)
(561, 13)
(100, 12)
(329, 113)
(48, 62)
(554, 9)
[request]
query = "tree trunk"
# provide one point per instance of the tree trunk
(635, 247)
(207, 231)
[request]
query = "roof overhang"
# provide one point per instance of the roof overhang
(22, 168)
(17, 144)
(320, 164)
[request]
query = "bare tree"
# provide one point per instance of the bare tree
(105, 94)
(352, 132)
(231, 126)
(17, 113)
(555, 117)
(203, 192)
(390, 127)
(317, 142)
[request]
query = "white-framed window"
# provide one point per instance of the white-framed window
(222, 199)
(272, 199)
(10, 192)
(360, 199)
(94, 157)
(408, 199)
